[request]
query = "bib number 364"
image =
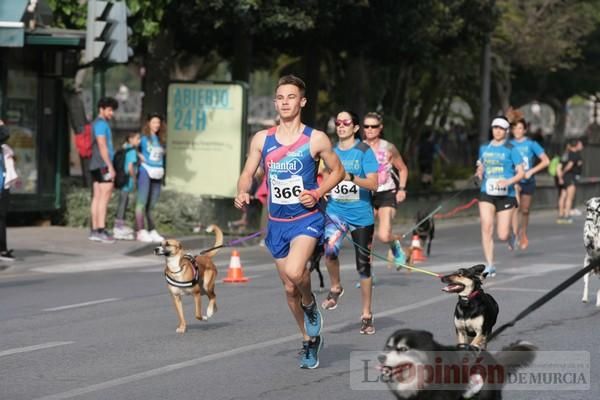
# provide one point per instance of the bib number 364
(345, 191)
(286, 191)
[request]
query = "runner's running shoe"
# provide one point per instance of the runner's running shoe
(366, 326)
(489, 272)
(313, 319)
(310, 353)
(331, 302)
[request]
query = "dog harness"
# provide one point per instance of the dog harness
(186, 284)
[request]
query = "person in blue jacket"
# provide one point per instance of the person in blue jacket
(499, 167)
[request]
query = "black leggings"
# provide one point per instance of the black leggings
(363, 240)
(4, 202)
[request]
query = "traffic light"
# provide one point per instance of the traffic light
(107, 32)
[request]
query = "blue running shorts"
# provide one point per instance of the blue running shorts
(281, 233)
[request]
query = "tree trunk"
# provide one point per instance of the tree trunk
(155, 83)
(356, 84)
(312, 61)
(242, 52)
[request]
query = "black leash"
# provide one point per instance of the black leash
(547, 297)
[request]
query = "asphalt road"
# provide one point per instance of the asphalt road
(110, 334)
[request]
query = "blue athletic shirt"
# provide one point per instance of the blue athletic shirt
(152, 151)
(101, 128)
(529, 149)
(348, 200)
(499, 162)
(131, 157)
(289, 170)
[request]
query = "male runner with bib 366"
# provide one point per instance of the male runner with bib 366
(289, 154)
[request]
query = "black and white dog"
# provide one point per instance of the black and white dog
(425, 230)
(476, 311)
(591, 241)
(417, 367)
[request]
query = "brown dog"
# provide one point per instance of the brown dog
(187, 274)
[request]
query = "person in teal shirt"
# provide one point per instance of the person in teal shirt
(530, 151)
(349, 210)
(121, 230)
(499, 167)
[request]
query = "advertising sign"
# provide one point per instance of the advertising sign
(206, 137)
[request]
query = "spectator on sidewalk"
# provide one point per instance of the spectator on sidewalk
(101, 169)
(130, 168)
(427, 151)
(569, 174)
(80, 126)
(150, 177)
(8, 176)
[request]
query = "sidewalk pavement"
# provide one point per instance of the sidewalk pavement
(67, 249)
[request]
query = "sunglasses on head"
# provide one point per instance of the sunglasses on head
(371, 126)
(345, 122)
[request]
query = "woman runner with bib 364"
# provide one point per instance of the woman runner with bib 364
(499, 167)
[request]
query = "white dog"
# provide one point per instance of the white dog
(591, 241)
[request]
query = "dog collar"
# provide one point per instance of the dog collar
(470, 297)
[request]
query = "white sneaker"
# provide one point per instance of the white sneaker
(123, 233)
(155, 236)
(144, 236)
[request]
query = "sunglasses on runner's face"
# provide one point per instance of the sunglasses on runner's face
(345, 122)
(371, 126)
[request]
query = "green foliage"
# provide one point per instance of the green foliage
(174, 214)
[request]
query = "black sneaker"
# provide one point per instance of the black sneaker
(7, 255)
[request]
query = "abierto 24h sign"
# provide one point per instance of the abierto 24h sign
(206, 137)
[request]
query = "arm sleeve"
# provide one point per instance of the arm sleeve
(536, 148)
(370, 164)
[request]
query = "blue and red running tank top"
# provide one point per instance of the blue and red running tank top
(289, 170)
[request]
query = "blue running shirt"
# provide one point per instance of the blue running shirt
(499, 162)
(530, 150)
(152, 151)
(347, 200)
(289, 170)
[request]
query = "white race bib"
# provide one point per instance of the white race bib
(286, 191)
(492, 188)
(346, 191)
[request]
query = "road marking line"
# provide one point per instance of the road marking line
(85, 304)
(95, 265)
(32, 348)
(509, 289)
(236, 351)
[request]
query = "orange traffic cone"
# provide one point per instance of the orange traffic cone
(417, 251)
(235, 273)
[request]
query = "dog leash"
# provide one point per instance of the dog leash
(371, 252)
(547, 297)
(234, 242)
(438, 208)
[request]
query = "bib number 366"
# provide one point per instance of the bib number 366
(286, 191)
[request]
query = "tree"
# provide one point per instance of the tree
(539, 36)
